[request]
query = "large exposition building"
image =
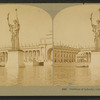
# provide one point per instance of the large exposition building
(64, 55)
(71, 56)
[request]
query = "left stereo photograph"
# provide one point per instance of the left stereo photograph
(26, 47)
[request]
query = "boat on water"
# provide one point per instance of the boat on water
(37, 63)
(82, 64)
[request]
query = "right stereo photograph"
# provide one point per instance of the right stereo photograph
(76, 47)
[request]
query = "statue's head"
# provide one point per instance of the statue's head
(15, 21)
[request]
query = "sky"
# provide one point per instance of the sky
(34, 22)
(72, 25)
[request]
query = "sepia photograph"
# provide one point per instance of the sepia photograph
(77, 46)
(25, 46)
(49, 49)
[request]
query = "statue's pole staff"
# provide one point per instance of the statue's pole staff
(16, 15)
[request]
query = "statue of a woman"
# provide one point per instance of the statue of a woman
(14, 29)
(96, 29)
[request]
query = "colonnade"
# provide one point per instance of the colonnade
(64, 56)
(29, 55)
(83, 57)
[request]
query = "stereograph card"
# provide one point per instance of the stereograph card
(49, 49)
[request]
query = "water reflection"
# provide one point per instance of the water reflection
(77, 76)
(3, 76)
(28, 76)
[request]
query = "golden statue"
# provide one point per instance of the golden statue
(14, 29)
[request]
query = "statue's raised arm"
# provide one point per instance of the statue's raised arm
(8, 19)
(91, 19)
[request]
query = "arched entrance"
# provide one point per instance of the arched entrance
(50, 54)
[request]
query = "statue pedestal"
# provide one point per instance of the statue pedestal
(15, 59)
(95, 65)
(95, 60)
